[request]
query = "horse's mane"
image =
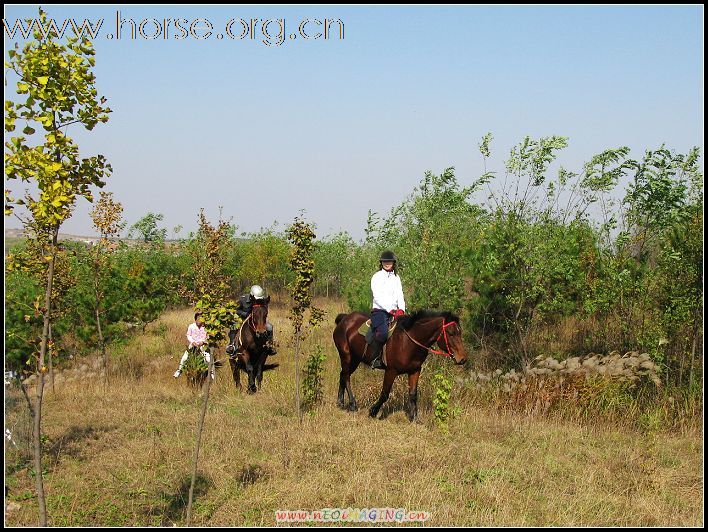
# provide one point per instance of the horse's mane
(411, 319)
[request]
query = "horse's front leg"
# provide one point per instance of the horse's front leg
(235, 371)
(389, 377)
(251, 370)
(259, 372)
(413, 395)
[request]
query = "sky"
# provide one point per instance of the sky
(337, 127)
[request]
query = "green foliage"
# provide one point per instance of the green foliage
(150, 278)
(59, 87)
(107, 219)
(557, 253)
(264, 260)
(539, 256)
(138, 284)
(60, 90)
(357, 284)
(531, 158)
(484, 145)
(301, 235)
(146, 229)
(195, 366)
(442, 409)
(210, 287)
(313, 372)
(23, 323)
(433, 232)
(333, 263)
(219, 317)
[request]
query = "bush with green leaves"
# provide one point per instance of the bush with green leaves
(551, 251)
(264, 260)
(443, 410)
(313, 372)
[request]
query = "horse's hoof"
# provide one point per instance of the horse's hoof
(340, 405)
(372, 414)
(353, 408)
(251, 391)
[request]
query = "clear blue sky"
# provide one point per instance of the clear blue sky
(338, 127)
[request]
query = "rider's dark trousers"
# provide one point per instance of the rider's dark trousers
(379, 322)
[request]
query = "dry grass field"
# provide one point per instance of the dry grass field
(120, 455)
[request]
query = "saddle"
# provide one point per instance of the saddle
(368, 333)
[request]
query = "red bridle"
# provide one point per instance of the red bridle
(443, 333)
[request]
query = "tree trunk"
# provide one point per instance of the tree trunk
(37, 435)
(694, 349)
(195, 456)
(101, 342)
(297, 376)
(51, 362)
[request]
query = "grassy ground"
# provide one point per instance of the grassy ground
(121, 455)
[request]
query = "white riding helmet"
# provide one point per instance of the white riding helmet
(257, 292)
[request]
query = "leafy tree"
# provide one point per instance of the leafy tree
(334, 263)
(150, 282)
(313, 372)
(265, 259)
(59, 87)
(107, 219)
(302, 236)
(210, 248)
(146, 229)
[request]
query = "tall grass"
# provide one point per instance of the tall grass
(121, 456)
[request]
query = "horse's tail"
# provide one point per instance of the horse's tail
(339, 318)
(266, 367)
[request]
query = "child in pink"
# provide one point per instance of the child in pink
(197, 338)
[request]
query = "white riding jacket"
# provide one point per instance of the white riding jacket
(388, 292)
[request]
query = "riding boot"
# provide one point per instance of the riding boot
(377, 350)
(270, 346)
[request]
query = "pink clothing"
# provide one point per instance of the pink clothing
(196, 335)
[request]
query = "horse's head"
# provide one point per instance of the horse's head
(432, 327)
(259, 316)
(450, 340)
(231, 348)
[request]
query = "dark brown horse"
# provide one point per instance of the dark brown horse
(246, 347)
(406, 351)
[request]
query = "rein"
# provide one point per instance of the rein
(240, 330)
(448, 353)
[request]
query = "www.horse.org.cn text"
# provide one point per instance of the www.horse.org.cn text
(271, 31)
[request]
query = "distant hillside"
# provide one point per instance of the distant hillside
(19, 234)
(12, 236)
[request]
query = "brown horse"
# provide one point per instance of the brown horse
(249, 353)
(406, 351)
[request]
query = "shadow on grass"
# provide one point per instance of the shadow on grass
(251, 474)
(392, 406)
(74, 442)
(175, 508)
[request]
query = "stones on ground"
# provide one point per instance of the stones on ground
(632, 366)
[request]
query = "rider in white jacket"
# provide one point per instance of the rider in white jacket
(388, 303)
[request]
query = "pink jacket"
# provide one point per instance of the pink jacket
(196, 334)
